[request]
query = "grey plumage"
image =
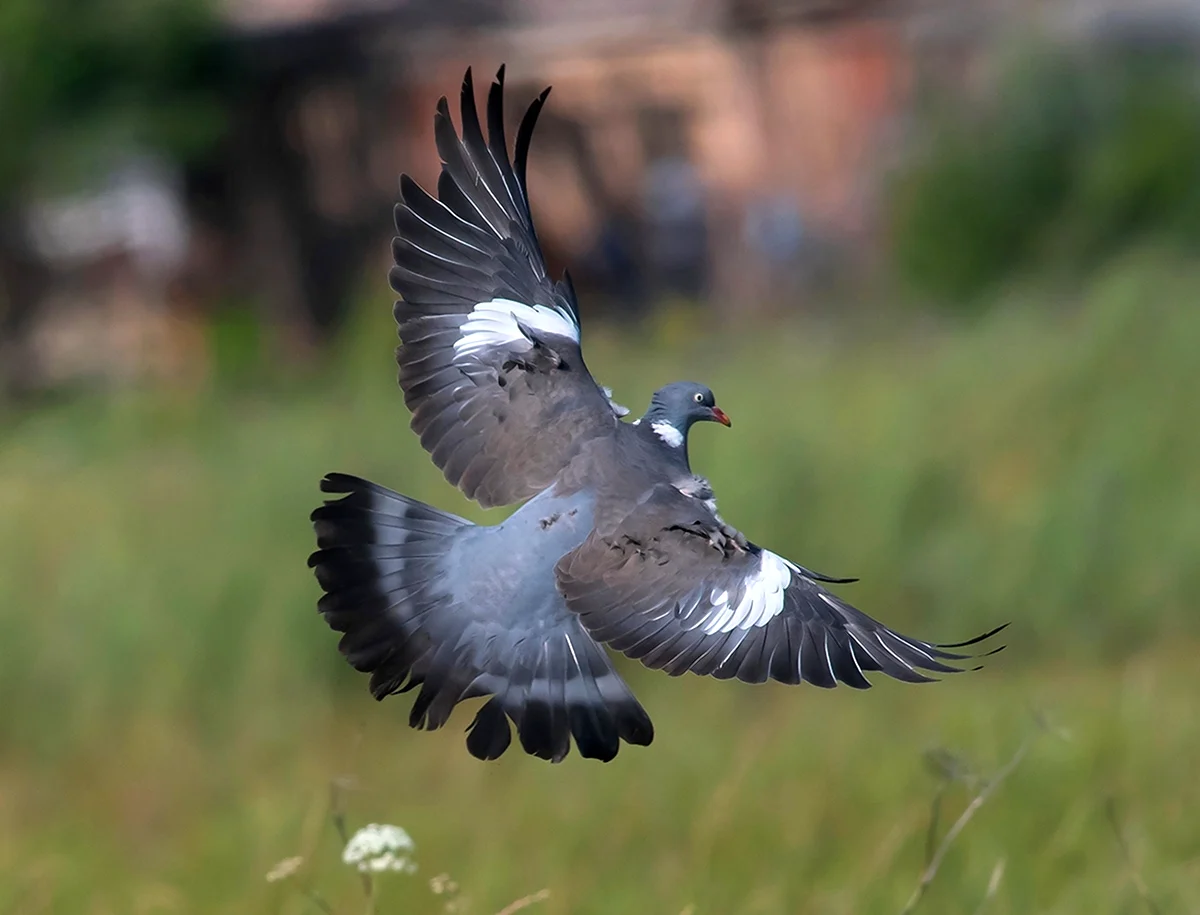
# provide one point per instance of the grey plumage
(617, 543)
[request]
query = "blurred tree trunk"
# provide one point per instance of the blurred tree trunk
(307, 212)
(24, 279)
(267, 190)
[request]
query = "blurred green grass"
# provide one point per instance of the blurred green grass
(175, 709)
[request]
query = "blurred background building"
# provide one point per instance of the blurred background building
(728, 151)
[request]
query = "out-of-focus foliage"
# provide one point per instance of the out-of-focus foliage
(1073, 155)
(177, 707)
(80, 77)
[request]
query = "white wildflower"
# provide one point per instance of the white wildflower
(443, 884)
(284, 869)
(380, 847)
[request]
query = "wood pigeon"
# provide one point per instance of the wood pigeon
(617, 543)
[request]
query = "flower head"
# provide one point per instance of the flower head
(380, 847)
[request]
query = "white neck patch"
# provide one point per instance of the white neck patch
(668, 433)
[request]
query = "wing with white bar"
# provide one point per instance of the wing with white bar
(490, 360)
(672, 586)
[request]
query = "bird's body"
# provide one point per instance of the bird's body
(617, 542)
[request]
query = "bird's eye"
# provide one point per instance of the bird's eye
(698, 397)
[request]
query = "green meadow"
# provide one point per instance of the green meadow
(176, 718)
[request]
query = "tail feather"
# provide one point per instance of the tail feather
(379, 560)
(488, 736)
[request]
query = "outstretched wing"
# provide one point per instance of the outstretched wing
(673, 588)
(490, 361)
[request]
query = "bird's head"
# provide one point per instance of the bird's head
(675, 407)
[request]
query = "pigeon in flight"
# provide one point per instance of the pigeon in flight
(618, 542)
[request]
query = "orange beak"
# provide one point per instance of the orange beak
(719, 416)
